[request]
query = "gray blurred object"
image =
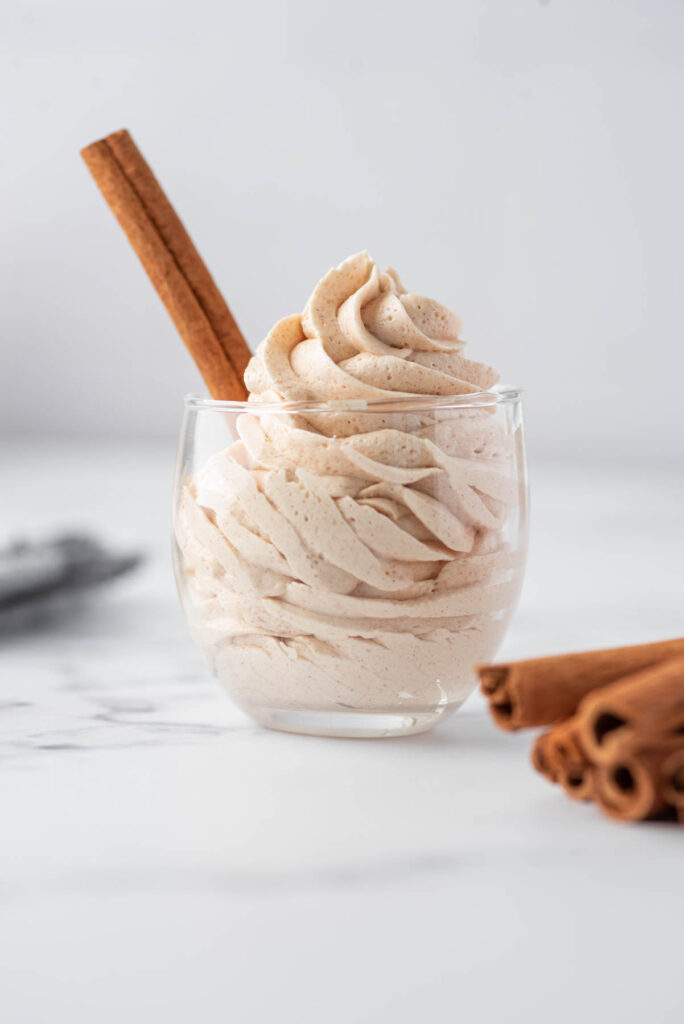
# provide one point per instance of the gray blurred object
(41, 580)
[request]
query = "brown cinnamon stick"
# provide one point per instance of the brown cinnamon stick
(540, 756)
(631, 786)
(672, 778)
(172, 263)
(644, 706)
(546, 690)
(559, 755)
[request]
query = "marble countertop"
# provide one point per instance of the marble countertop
(162, 859)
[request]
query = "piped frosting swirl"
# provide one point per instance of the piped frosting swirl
(363, 336)
(319, 533)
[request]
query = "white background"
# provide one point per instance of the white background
(520, 160)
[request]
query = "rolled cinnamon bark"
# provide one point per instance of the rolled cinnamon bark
(630, 788)
(646, 705)
(540, 757)
(541, 691)
(172, 263)
(569, 762)
(672, 775)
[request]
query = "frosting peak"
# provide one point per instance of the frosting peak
(363, 336)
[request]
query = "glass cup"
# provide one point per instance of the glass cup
(344, 566)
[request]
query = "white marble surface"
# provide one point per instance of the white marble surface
(161, 859)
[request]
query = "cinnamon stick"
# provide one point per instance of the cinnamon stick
(672, 776)
(172, 263)
(540, 756)
(630, 787)
(647, 705)
(559, 755)
(541, 691)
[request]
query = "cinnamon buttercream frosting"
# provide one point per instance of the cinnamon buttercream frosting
(357, 550)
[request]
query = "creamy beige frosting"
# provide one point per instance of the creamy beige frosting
(353, 557)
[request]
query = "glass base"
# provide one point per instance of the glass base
(352, 724)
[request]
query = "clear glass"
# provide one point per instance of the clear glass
(344, 566)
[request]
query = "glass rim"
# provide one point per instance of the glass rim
(402, 403)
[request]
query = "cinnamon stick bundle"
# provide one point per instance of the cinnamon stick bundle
(172, 262)
(618, 733)
(650, 703)
(643, 780)
(541, 691)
